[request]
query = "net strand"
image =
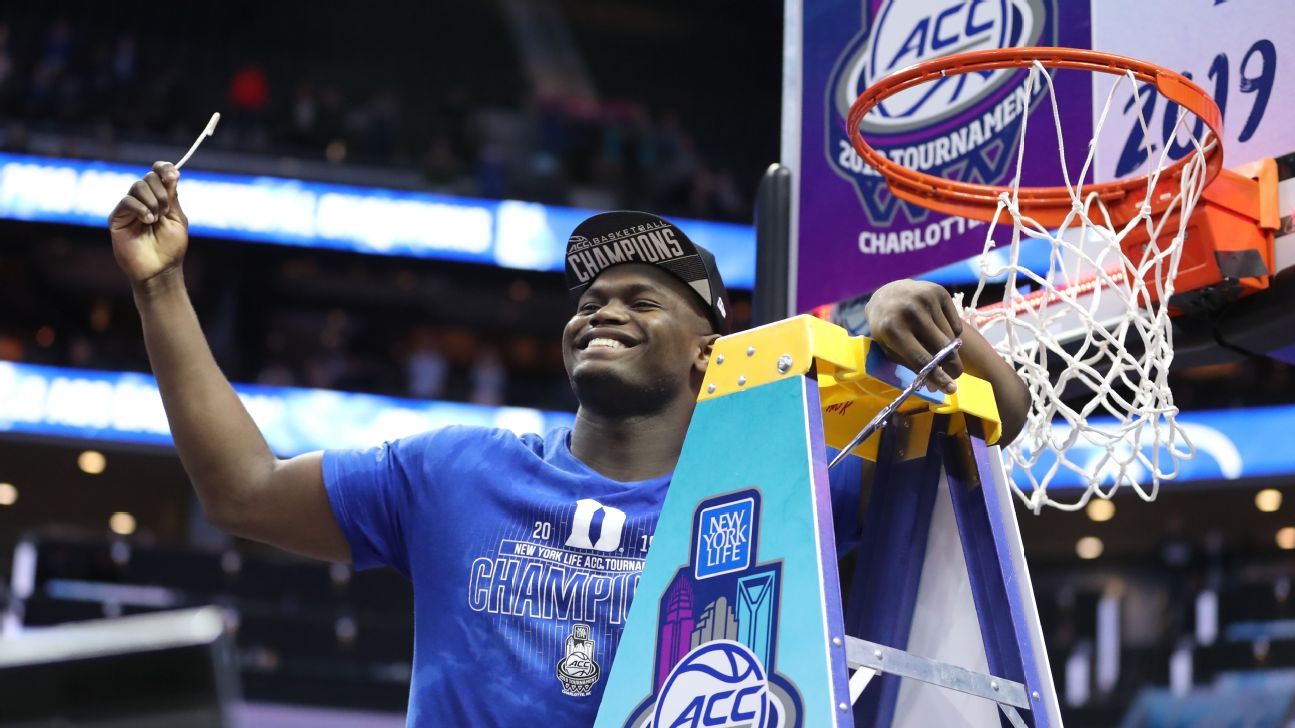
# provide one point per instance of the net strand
(1091, 335)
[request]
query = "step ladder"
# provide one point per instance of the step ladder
(738, 618)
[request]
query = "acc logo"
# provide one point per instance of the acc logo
(720, 683)
(577, 242)
(956, 124)
(906, 33)
(717, 629)
(577, 670)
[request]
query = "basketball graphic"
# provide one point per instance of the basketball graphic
(719, 683)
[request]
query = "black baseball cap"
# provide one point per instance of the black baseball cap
(625, 236)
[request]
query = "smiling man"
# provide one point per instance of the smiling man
(649, 304)
(523, 551)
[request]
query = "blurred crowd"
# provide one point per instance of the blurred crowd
(89, 87)
(281, 340)
(371, 324)
(85, 81)
(425, 362)
(108, 85)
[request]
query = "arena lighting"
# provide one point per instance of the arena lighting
(283, 211)
(125, 407)
(8, 494)
(91, 462)
(1100, 510)
(1286, 538)
(1089, 547)
(373, 220)
(122, 523)
(1268, 500)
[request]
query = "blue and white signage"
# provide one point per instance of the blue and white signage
(724, 541)
(126, 407)
(508, 233)
(720, 683)
(523, 235)
(851, 235)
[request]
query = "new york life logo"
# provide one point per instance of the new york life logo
(717, 629)
(724, 539)
(959, 126)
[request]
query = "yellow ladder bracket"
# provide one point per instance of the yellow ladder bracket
(855, 382)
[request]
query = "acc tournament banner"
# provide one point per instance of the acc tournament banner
(850, 235)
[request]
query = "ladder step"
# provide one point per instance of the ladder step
(864, 654)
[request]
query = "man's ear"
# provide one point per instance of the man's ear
(704, 351)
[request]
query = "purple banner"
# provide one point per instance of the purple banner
(851, 234)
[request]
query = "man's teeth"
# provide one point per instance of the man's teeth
(610, 343)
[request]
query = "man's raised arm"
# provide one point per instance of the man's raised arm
(243, 487)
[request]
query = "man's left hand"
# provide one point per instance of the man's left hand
(912, 321)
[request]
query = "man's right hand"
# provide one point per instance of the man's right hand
(243, 487)
(149, 230)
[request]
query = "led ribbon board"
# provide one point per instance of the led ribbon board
(373, 220)
(126, 407)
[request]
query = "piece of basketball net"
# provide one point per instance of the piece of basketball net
(1101, 309)
(207, 131)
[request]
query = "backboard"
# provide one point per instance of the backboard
(848, 235)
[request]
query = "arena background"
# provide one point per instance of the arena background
(450, 147)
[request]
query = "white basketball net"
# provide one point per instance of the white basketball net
(1090, 312)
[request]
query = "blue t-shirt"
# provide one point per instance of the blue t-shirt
(520, 556)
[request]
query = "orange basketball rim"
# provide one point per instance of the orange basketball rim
(1049, 206)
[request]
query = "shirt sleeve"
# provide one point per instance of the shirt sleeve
(846, 481)
(372, 496)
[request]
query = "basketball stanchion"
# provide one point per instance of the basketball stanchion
(1091, 334)
(738, 618)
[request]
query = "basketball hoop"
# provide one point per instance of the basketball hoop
(1101, 309)
(1049, 206)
